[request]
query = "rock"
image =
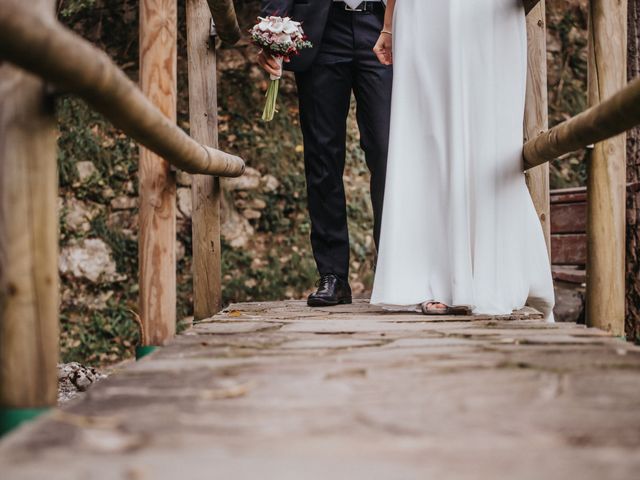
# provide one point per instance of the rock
(74, 378)
(185, 323)
(85, 170)
(82, 298)
(256, 74)
(78, 215)
(90, 259)
(181, 251)
(185, 208)
(124, 202)
(257, 263)
(108, 193)
(230, 59)
(249, 181)
(357, 288)
(250, 214)
(258, 204)
(183, 179)
(125, 222)
(269, 183)
(570, 303)
(235, 229)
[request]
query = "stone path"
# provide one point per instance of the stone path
(279, 391)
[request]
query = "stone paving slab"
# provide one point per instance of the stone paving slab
(281, 391)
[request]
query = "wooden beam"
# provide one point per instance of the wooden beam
(612, 117)
(203, 121)
(224, 17)
(606, 172)
(71, 64)
(536, 119)
(157, 237)
(29, 332)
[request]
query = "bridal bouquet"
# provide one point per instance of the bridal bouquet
(282, 38)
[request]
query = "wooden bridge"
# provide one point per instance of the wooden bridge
(280, 390)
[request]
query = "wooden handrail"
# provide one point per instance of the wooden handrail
(224, 17)
(612, 117)
(73, 65)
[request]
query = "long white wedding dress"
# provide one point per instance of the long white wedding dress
(459, 225)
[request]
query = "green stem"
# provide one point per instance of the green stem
(270, 107)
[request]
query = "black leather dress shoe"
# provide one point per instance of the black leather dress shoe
(332, 290)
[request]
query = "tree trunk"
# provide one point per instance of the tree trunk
(633, 197)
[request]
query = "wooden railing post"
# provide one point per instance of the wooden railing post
(536, 118)
(203, 121)
(29, 333)
(157, 237)
(606, 172)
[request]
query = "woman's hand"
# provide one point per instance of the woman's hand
(384, 48)
(269, 63)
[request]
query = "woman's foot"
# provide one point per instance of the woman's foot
(438, 308)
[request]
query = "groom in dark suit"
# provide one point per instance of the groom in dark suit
(341, 61)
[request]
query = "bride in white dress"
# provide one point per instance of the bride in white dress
(459, 227)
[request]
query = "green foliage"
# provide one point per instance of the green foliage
(68, 8)
(568, 85)
(85, 135)
(98, 337)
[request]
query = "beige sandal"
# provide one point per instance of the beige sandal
(428, 309)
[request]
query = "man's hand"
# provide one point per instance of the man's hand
(269, 63)
(384, 48)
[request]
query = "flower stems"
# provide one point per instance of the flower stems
(272, 99)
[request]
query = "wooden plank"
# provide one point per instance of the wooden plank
(157, 237)
(569, 249)
(569, 274)
(607, 171)
(73, 65)
(28, 239)
(203, 121)
(536, 118)
(569, 218)
(576, 197)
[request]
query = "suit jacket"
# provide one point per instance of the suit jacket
(313, 14)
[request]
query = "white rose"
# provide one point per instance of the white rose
(291, 27)
(264, 24)
(276, 25)
(284, 39)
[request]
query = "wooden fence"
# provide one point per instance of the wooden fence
(615, 108)
(44, 57)
(41, 58)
